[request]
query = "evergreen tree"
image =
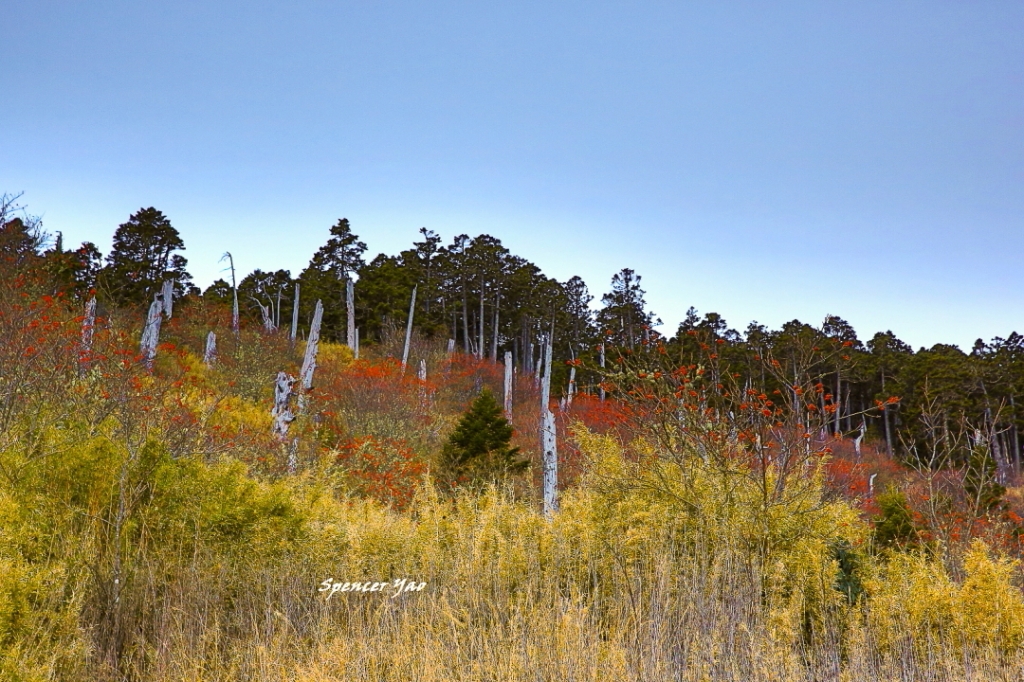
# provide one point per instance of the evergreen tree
(625, 312)
(219, 292)
(143, 257)
(478, 450)
(326, 276)
(21, 235)
(73, 271)
(895, 527)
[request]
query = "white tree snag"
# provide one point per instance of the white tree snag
(408, 330)
(312, 346)
(422, 373)
(309, 360)
(451, 346)
(350, 311)
(234, 292)
(860, 436)
(572, 386)
(167, 294)
(355, 349)
(282, 411)
(549, 441)
(494, 340)
(88, 327)
(210, 355)
(151, 333)
(540, 363)
(601, 386)
(508, 384)
(267, 314)
(480, 346)
(295, 315)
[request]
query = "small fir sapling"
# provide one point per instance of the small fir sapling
(479, 449)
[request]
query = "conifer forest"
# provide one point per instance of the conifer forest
(443, 464)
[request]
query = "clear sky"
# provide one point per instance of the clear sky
(767, 161)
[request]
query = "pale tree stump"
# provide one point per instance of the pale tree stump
(151, 334)
(88, 327)
(282, 411)
(549, 436)
(210, 355)
(508, 384)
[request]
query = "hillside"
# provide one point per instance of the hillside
(722, 514)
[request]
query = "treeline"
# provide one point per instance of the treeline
(934, 407)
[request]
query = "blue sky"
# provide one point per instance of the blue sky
(767, 161)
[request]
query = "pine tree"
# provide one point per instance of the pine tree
(479, 451)
(142, 258)
(325, 277)
(625, 312)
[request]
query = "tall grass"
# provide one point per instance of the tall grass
(147, 533)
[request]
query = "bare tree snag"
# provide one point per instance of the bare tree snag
(234, 292)
(167, 294)
(88, 327)
(480, 346)
(572, 386)
(860, 437)
(267, 314)
(350, 311)
(494, 340)
(540, 362)
(210, 355)
(282, 411)
(408, 330)
(151, 333)
(355, 350)
(549, 440)
(312, 346)
(451, 346)
(295, 316)
(601, 386)
(508, 384)
(422, 373)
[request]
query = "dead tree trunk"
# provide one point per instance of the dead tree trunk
(282, 411)
(267, 314)
(167, 294)
(508, 385)
(494, 344)
(295, 316)
(540, 362)
(408, 330)
(355, 350)
(309, 361)
(88, 327)
(234, 293)
(350, 309)
(211, 350)
(860, 437)
(549, 440)
(572, 386)
(465, 319)
(151, 334)
(601, 385)
(480, 347)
